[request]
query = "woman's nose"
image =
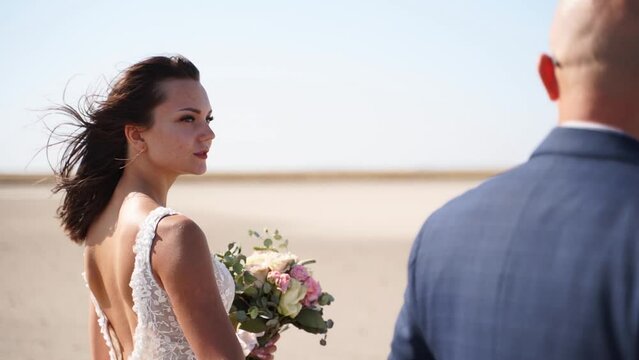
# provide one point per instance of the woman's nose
(207, 134)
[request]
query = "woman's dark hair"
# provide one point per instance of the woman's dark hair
(92, 159)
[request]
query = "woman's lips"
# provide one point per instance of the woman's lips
(201, 154)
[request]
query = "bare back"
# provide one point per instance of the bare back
(148, 310)
(109, 262)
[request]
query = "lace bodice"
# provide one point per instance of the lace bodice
(158, 334)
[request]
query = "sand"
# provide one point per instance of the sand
(359, 231)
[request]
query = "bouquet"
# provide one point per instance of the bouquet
(274, 289)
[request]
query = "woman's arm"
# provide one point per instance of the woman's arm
(97, 346)
(182, 263)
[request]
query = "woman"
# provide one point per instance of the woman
(156, 291)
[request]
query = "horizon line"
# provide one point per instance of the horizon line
(275, 176)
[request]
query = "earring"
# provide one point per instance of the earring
(130, 161)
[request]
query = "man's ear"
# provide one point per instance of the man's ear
(546, 70)
(133, 134)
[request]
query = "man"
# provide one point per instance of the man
(542, 262)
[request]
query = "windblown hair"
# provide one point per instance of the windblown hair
(93, 155)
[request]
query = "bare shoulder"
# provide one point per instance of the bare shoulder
(179, 230)
(185, 270)
(180, 245)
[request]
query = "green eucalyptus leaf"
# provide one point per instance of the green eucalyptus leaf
(241, 316)
(311, 321)
(268, 243)
(254, 325)
(253, 312)
(249, 278)
(326, 299)
(251, 291)
(261, 302)
(267, 287)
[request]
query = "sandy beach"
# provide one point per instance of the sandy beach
(359, 231)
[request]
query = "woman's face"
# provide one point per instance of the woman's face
(180, 137)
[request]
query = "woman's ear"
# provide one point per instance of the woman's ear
(546, 70)
(134, 136)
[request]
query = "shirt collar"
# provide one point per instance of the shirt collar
(590, 125)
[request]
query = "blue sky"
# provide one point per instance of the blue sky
(300, 85)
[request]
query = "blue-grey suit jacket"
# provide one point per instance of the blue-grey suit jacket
(539, 263)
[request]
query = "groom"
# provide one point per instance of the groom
(542, 262)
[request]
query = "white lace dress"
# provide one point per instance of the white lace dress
(158, 334)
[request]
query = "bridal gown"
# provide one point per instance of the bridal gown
(158, 334)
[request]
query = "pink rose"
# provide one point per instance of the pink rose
(313, 292)
(279, 279)
(299, 272)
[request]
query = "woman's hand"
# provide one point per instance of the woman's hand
(265, 352)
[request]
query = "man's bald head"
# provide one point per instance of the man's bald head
(596, 73)
(598, 34)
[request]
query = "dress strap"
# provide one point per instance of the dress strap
(103, 322)
(142, 280)
(146, 234)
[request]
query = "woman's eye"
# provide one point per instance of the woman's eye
(209, 119)
(187, 119)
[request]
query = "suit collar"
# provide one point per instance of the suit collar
(589, 143)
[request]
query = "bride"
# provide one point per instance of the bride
(156, 292)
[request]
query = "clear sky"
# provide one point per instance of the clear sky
(300, 85)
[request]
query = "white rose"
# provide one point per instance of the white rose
(281, 262)
(260, 260)
(290, 302)
(258, 264)
(261, 257)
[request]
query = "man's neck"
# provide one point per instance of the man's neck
(615, 112)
